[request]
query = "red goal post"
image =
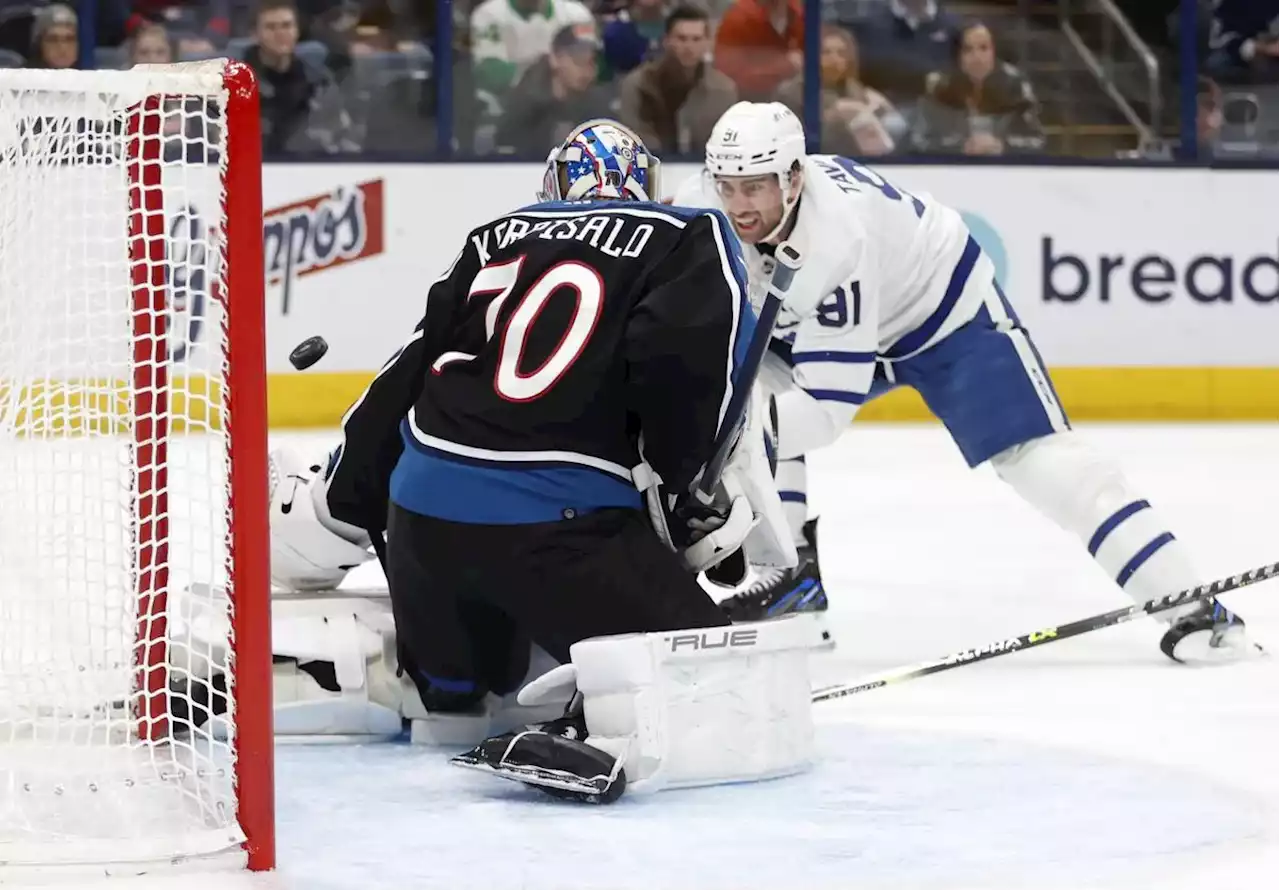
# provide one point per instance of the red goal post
(133, 471)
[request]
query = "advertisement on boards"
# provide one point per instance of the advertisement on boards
(339, 264)
(315, 232)
(1106, 267)
(1127, 267)
(1134, 270)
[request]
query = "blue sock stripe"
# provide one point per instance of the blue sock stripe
(793, 497)
(1110, 524)
(1142, 556)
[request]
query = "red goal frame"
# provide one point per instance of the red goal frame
(245, 401)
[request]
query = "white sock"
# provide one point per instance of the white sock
(1088, 495)
(793, 486)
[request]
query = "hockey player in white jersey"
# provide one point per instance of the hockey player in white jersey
(896, 292)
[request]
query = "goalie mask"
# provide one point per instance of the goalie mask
(601, 159)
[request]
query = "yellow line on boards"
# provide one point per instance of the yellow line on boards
(1138, 393)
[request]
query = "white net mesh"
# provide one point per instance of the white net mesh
(113, 465)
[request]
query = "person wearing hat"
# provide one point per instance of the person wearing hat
(55, 38)
(509, 36)
(556, 92)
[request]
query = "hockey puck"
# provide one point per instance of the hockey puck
(308, 352)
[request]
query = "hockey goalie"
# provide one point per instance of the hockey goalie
(597, 561)
(335, 661)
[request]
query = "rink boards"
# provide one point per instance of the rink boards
(1151, 293)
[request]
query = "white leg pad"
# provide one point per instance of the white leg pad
(700, 707)
(357, 636)
(1088, 495)
(304, 710)
(354, 633)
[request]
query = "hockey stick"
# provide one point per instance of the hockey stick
(788, 261)
(1046, 636)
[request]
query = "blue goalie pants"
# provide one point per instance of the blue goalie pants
(468, 599)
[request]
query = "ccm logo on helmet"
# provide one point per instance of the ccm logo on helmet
(724, 639)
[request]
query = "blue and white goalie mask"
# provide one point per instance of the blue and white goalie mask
(601, 159)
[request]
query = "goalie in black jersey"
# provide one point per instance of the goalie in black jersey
(526, 451)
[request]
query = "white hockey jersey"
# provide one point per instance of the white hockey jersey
(886, 275)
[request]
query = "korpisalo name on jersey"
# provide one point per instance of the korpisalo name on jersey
(612, 234)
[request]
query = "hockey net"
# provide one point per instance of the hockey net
(132, 469)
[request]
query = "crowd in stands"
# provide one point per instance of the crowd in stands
(344, 76)
(1239, 47)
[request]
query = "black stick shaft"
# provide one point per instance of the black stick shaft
(1046, 636)
(788, 263)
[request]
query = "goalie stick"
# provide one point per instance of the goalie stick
(788, 260)
(1046, 636)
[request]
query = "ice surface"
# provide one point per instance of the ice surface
(1089, 763)
(883, 808)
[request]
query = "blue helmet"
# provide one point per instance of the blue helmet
(601, 159)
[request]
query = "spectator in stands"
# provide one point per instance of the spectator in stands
(300, 110)
(902, 41)
(557, 93)
(760, 45)
(1243, 45)
(980, 106)
(197, 27)
(1209, 116)
(674, 101)
(189, 125)
(151, 45)
(55, 41)
(508, 36)
(856, 120)
(373, 28)
(635, 35)
(392, 69)
(414, 21)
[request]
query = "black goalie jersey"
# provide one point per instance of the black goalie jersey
(562, 337)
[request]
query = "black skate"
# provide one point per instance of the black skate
(1212, 633)
(553, 758)
(779, 592)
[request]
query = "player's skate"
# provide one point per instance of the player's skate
(1211, 633)
(779, 592)
(551, 757)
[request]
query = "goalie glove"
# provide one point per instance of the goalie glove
(715, 529)
(744, 512)
(310, 550)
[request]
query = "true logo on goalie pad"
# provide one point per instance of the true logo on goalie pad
(712, 639)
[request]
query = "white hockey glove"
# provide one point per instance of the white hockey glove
(310, 550)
